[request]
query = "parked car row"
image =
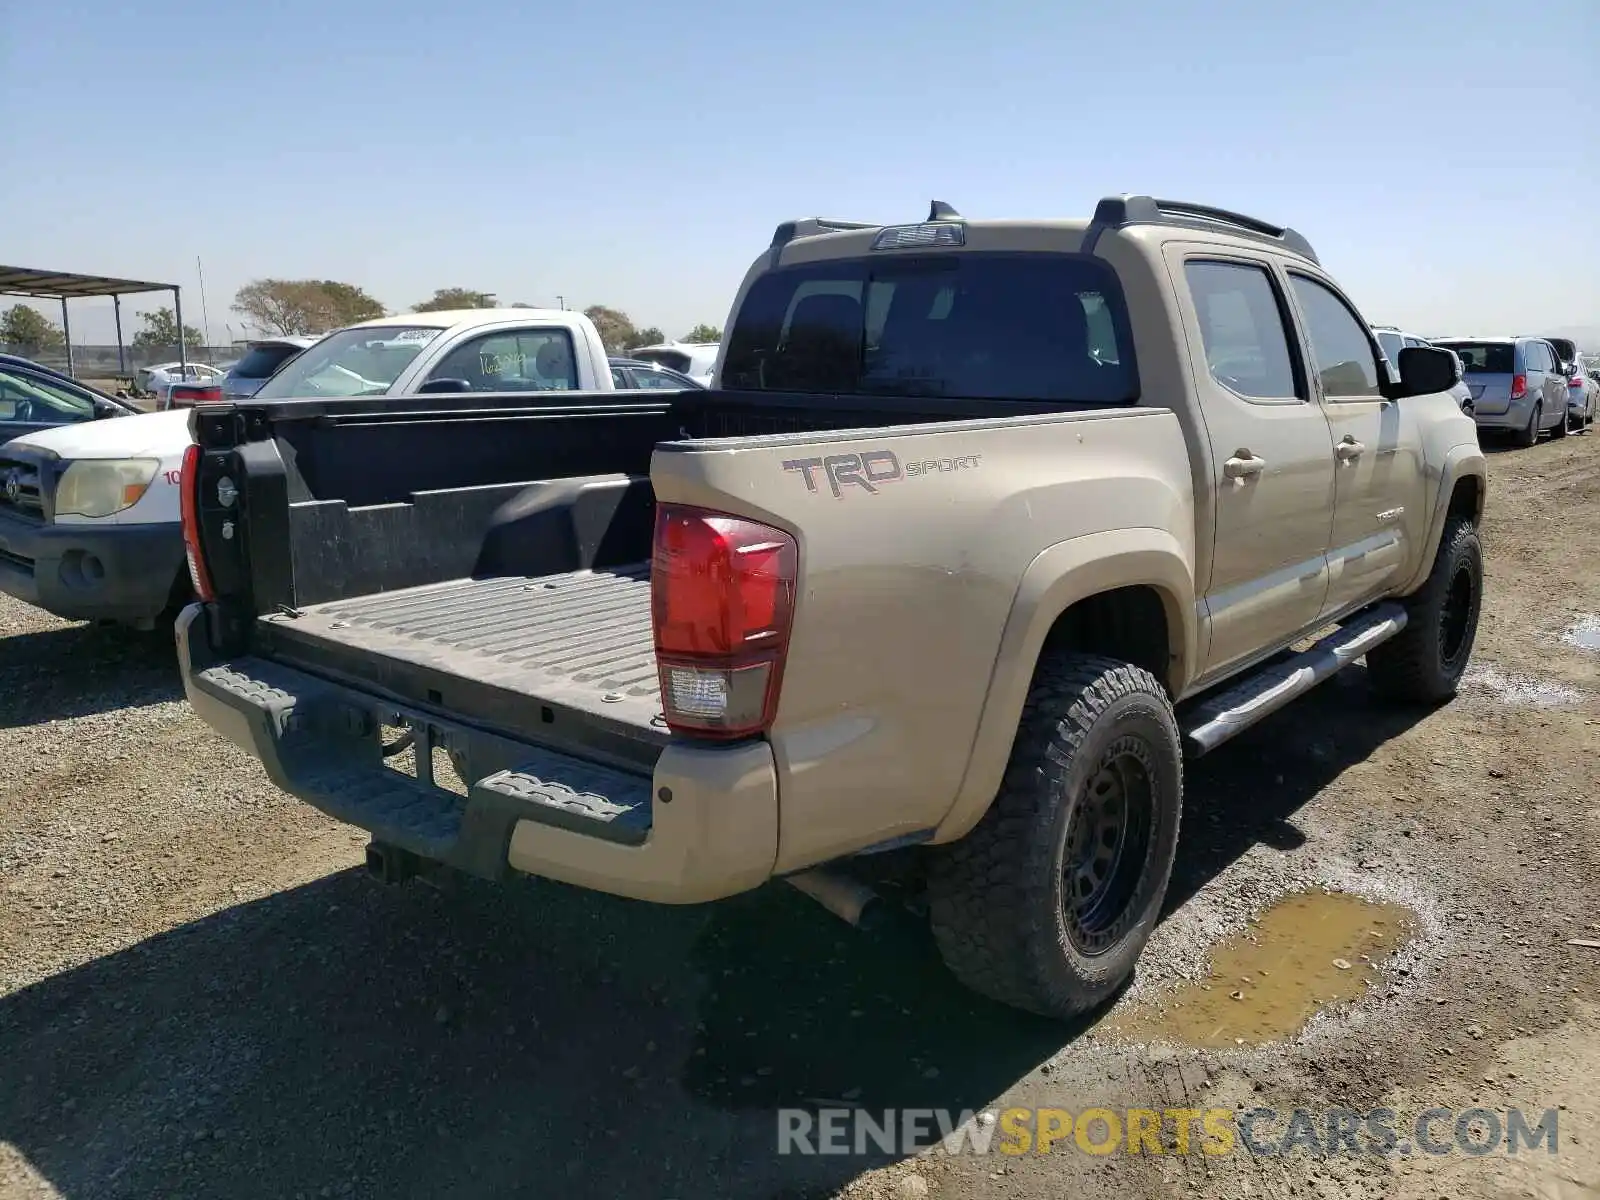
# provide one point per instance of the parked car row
(1392, 340)
(1526, 386)
(90, 531)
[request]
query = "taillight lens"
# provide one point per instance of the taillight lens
(189, 509)
(192, 394)
(1519, 386)
(1575, 381)
(721, 600)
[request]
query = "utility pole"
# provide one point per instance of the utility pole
(205, 315)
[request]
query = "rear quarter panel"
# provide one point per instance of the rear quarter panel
(916, 546)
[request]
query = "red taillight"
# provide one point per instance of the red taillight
(195, 394)
(721, 600)
(1575, 381)
(1519, 386)
(189, 509)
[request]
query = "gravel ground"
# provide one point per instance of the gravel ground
(201, 994)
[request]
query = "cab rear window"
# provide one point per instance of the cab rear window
(1045, 327)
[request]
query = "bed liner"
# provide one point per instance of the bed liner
(579, 642)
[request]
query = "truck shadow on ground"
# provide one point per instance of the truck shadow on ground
(341, 1038)
(1247, 792)
(80, 670)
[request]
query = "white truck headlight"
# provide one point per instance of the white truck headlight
(98, 487)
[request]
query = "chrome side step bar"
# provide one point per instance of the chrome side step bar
(1241, 706)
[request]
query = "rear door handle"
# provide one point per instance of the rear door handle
(1243, 463)
(1349, 449)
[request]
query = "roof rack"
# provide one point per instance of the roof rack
(1114, 212)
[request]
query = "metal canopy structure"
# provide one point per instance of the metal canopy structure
(34, 284)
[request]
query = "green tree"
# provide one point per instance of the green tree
(614, 326)
(345, 304)
(617, 330)
(704, 334)
(28, 329)
(445, 299)
(304, 305)
(161, 330)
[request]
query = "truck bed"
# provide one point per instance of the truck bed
(476, 559)
(510, 651)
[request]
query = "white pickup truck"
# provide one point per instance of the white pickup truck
(112, 549)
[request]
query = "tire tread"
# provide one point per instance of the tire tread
(986, 888)
(1406, 667)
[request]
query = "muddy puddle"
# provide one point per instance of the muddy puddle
(1583, 633)
(1310, 951)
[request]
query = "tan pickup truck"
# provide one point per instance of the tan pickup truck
(986, 526)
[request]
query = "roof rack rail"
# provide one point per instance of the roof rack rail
(1113, 212)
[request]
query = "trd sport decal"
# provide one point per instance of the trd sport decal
(871, 469)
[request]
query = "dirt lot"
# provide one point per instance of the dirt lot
(202, 995)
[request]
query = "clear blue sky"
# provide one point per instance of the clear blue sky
(1443, 157)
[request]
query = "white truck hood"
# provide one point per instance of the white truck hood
(148, 435)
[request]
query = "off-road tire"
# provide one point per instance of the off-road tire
(1530, 436)
(1423, 664)
(995, 897)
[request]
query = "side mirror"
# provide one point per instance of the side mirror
(1425, 370)
(445, 385)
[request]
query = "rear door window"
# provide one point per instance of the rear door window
(658, 380)
(1242, 329)
(1043, 327)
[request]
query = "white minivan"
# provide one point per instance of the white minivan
(108, 516)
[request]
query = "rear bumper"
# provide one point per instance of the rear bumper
(89, 573)
(1515, 417)
(701, 826)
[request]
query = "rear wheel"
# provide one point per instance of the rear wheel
(1530, 435)
(1425, 661)
(1048, 902)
